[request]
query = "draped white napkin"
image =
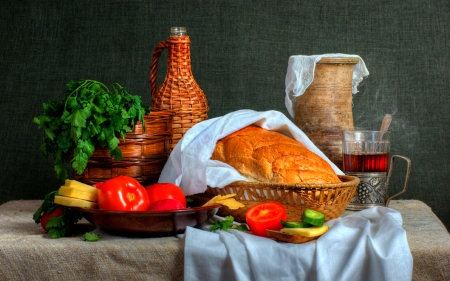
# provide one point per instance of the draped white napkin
(300, 74)
(189, 165)
(366, 245)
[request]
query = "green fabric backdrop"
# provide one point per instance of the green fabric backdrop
(240, 51)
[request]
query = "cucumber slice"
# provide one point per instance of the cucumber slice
(313, 217)
(295, 224)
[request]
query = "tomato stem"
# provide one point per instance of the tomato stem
(130, 196)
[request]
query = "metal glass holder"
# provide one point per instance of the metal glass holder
(373, 190)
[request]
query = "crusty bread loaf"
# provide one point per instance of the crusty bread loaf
(269, 156)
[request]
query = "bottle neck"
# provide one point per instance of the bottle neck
(178, 35)
(178, 31)
(179, 52)
(179, 56)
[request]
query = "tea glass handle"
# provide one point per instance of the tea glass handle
(408, 171)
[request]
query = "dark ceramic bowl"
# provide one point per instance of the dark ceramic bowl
(151, 223)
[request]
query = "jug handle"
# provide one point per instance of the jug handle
(408, 171)
(154, 66)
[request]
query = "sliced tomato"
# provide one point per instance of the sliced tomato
(267, 215)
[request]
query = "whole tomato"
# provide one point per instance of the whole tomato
(57, 212)
(98, 185)
(161, 191)
(264, 216)
(166, 205)
(122, 193)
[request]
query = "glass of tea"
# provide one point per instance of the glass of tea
(365, 154)
(365, 151)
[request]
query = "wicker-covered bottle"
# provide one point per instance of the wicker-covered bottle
(179, 91)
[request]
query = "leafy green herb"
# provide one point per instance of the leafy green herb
(91, 237)
(226, 224)
(47, 206)
(242, 227)
(58, 226)
(90, 116)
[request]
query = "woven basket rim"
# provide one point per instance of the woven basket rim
(347, 181)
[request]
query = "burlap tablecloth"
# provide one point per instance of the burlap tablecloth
(26, 253)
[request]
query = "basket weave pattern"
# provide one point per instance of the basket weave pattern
(179, 91)
(144, 153)
(330, 199)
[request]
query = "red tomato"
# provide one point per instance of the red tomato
(122, 193)
(58, 211)
(98, 185)
(166, 204)
(265, 216)
(161, 191)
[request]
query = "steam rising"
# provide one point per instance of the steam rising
(369, 108)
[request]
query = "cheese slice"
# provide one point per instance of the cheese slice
(308, 232)
(225, 200)
(81, 186)
(231, 203)
(77, 193)
(215, 200)
(74, 202)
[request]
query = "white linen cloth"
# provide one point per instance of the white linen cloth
(366, 245)
(300, 74)
(189, 165)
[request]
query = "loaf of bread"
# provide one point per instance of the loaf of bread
(269, 156)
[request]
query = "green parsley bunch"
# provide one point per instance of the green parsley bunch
(90, 116)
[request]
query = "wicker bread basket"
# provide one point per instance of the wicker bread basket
(330, 199)
(144, 153)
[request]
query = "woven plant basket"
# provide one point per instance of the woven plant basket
(179, 91)
(144, 153)
(330, 199)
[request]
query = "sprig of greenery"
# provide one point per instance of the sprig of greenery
(47, 206)
(57, 226)
(90, 116)
(226, 224)
(91, 237)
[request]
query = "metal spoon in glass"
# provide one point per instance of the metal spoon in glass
(384, 127)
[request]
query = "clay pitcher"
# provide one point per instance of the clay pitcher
(325, 108)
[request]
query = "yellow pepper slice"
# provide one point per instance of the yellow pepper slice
(308, 232)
